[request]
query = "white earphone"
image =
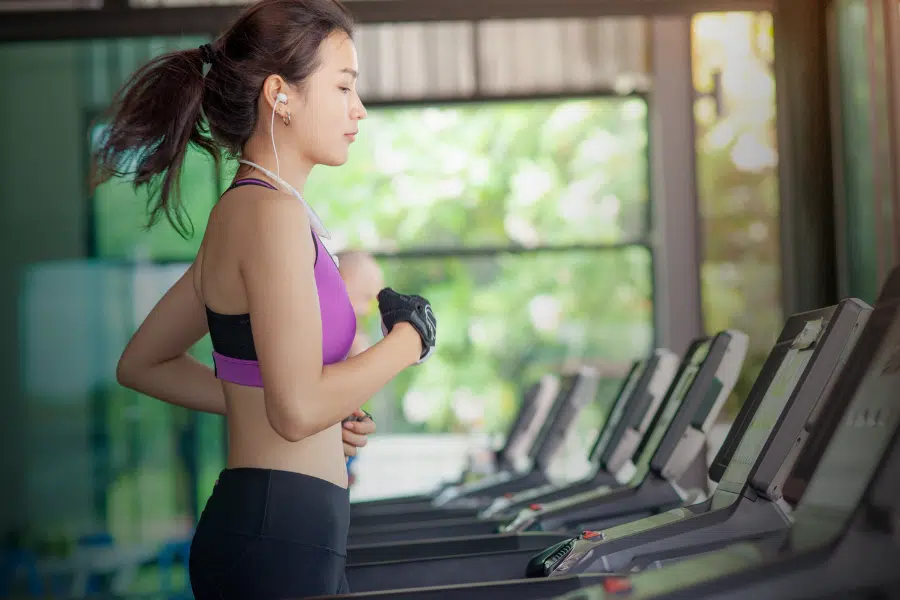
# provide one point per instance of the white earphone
(282, 98)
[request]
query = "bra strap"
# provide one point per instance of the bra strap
(251, 181)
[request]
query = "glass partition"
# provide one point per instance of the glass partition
(525, 222)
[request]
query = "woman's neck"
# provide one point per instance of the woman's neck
(289, 167)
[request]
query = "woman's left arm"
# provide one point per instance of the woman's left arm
(156, 360)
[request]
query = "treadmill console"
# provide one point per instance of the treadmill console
(632, 384)
(859, 446)
(700, 356)
(829, 353)
(703, 360)
(788, 360)
(794, 361)
(866, 428)
(512, 447)
(564, 397)
(553, 393)
(624, 397)
(625, 437)
(523, 437)
(584, 392)
(793, 328)
(672, 463)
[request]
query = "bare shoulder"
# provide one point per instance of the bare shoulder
(253, 211)
(264, 230)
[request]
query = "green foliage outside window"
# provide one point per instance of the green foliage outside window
(497, 213)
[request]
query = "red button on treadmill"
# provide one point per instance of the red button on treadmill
(535, 506)
(616, 585)
(508, 495)
(589, 534)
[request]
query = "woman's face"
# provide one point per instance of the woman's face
(325, 115)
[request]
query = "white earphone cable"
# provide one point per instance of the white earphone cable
(315, 221)
(274, 149)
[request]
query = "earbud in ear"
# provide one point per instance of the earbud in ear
(282, 97)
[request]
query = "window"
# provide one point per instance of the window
(523, 222)
(532, 242)
(737, 162)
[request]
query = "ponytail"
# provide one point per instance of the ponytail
(149, 127)
(169, 104)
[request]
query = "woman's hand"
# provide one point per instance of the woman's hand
(354, 432)
(413, 310)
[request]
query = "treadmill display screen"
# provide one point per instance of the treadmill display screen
(555, 404)
(672, 405)
(619, 408)
(773, 404)
(868, 425)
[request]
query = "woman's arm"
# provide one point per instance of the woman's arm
(302, 396)
(156, 363)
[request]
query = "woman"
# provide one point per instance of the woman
(280, 95)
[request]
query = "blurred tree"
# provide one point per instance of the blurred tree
(737, 163)
(522, 222)
(472, 205)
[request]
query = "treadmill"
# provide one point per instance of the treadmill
(523, 432)
(783, 407)
(532, 416)
(640, 396)
(677, 437)
(469, 525)
(888, 590)
(578, 390)
(638, 401)
(706, 378)
(844, 536)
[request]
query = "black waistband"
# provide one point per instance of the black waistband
(281, 505)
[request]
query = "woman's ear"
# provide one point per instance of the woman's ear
(275, 91)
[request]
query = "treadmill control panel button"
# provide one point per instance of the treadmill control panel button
(535, 506)
(617, 585)
(543, 564)
(587, 535)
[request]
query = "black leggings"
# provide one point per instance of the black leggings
(271, 535)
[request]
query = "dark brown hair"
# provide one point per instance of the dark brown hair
(169, 104)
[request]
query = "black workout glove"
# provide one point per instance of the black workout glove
(415, 310)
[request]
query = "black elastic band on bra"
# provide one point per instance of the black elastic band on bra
(251, 181)
(244, 319)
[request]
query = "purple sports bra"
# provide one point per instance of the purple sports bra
(234, 354)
